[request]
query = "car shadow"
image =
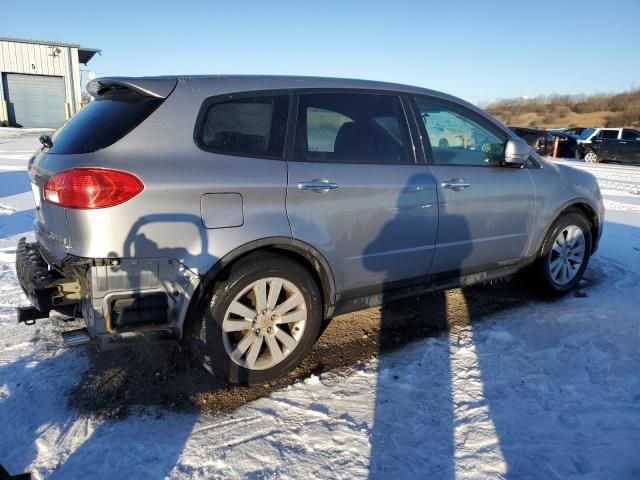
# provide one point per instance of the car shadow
(14, 182)
(16, 223)
(13, 222)
(396, 446)
(573, 391)
(478, 392)
(169, 377)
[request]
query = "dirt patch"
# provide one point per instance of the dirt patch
(166, 376)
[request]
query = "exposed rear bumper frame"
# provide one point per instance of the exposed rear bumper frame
(44, 288)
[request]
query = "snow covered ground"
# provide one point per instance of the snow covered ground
(543, 390)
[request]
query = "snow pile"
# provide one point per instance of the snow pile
(541, 390)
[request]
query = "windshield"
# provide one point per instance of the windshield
(586, 133)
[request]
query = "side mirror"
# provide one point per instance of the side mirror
(516, 152)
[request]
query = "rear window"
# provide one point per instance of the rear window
(103, 122)
(630, 134)
(252, 126)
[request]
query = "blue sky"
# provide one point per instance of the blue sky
(477, 50)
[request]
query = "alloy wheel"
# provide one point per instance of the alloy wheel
(567, 255)
(264, 323)
(591, 157)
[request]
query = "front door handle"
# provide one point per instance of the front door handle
(456, 184)
(319, 185)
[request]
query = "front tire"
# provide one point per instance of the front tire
(262, 320)
(591, 157)
(564, 255)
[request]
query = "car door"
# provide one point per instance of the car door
(356, 192)
(607, 144)
(486, 210)
(630, 146)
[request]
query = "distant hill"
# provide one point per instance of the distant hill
(556, 111)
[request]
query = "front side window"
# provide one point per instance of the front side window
(608, 134)
(351, 128)
(457, 137)
(247, 126)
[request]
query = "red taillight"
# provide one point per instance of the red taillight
(91, 188)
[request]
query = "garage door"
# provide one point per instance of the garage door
(35, 100)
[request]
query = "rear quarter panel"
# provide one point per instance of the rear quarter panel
(165, 219)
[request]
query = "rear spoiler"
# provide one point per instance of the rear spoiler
(158, 87)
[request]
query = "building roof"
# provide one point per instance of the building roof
(84, 54)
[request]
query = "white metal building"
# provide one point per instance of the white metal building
(40, 81)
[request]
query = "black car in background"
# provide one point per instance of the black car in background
(540, 140)
(611, 144)
(543, 141)
(574, 131)
(566, 146)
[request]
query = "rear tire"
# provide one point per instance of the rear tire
(262, 320)
(564, 255)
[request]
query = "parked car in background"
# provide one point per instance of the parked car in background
(610, 144)
(540, 140)
(237, 213)
(575, 131)
(567, 144)
(602, 144)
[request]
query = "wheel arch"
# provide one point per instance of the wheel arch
(579, 205)
(302, 252)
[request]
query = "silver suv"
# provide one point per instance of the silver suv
(239, 213)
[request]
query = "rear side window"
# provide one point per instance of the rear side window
(630, 134)
(247, 126)
(351, 128)
(103, 122)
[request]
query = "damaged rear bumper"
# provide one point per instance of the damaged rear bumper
(45, 288)
(122, 301)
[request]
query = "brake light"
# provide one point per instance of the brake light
(91, 188)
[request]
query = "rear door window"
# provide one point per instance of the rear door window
(352, 128)
(628, 134)
(103, 122)
(252, 126)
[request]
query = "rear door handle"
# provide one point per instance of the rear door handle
(320, 185)
(456, 184)
(623, 143)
